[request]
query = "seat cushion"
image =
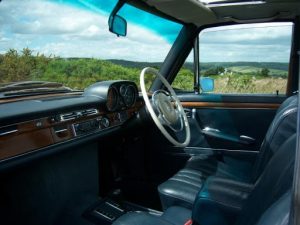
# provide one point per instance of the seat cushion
(172, 216)
(182, 188)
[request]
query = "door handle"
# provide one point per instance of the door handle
(247, 140)
(190, 113)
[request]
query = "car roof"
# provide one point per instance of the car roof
(220, 11)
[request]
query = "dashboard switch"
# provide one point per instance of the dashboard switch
(104, 122)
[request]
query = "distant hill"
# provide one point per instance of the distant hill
(269, 65)
(206, 66)
(132, 64)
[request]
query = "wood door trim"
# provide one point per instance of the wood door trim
(235, 105)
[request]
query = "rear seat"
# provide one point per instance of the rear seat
(182, 188)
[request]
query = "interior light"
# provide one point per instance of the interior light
(232, 2)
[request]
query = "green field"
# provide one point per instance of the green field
(255, 70)
(240, 79)
(78, 73)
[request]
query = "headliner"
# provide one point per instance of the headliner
(195, 12)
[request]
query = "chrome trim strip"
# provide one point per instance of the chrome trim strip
(216, 149)
(110, 219)
(60, 131)
(8, 132)
(107, 203)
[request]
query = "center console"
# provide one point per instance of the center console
(107, 210)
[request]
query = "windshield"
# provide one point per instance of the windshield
(68, 42)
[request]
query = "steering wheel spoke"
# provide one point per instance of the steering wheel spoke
(168, 107)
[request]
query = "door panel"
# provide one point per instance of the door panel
(229, 121)
(224, 128)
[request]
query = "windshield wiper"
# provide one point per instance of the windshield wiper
(26, 88)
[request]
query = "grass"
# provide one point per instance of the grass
(248, 82)
(262, 86)
(255, 70)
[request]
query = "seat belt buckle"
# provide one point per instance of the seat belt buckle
(189, 222)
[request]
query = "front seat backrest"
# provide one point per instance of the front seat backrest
(276, 180)
(278, 213)
(281, 128)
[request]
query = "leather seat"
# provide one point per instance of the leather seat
(182, 188)
(269, 199)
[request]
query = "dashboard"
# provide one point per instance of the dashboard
(43, 122)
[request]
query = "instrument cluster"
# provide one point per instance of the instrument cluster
(119, 95)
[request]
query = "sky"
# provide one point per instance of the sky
(253, 43)
(78, 28)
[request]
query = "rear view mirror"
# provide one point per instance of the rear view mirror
(207, 84)
(117, 25)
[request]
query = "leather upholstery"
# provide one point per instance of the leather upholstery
(182, 188)
(189, 181)
(268, 202)
(282, 127)
(221, 200)
(278, 213)
(276, 179)
(226, 192)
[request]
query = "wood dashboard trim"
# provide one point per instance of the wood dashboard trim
(35, 134)
(25, 142)
(235, 105)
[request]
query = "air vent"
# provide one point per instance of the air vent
(68, 116)
(78, 114)
(90, 112)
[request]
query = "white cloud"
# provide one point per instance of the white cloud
(236, 52)
(251, 34)
(65, 31)
(259, 43)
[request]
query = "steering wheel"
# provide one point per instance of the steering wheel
(166, 109)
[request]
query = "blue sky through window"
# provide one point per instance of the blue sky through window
(78, 28)
(167, 29)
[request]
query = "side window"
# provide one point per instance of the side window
(247, 59)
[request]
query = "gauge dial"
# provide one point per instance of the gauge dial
(129, 96)
(123, 90)
(112, 99)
